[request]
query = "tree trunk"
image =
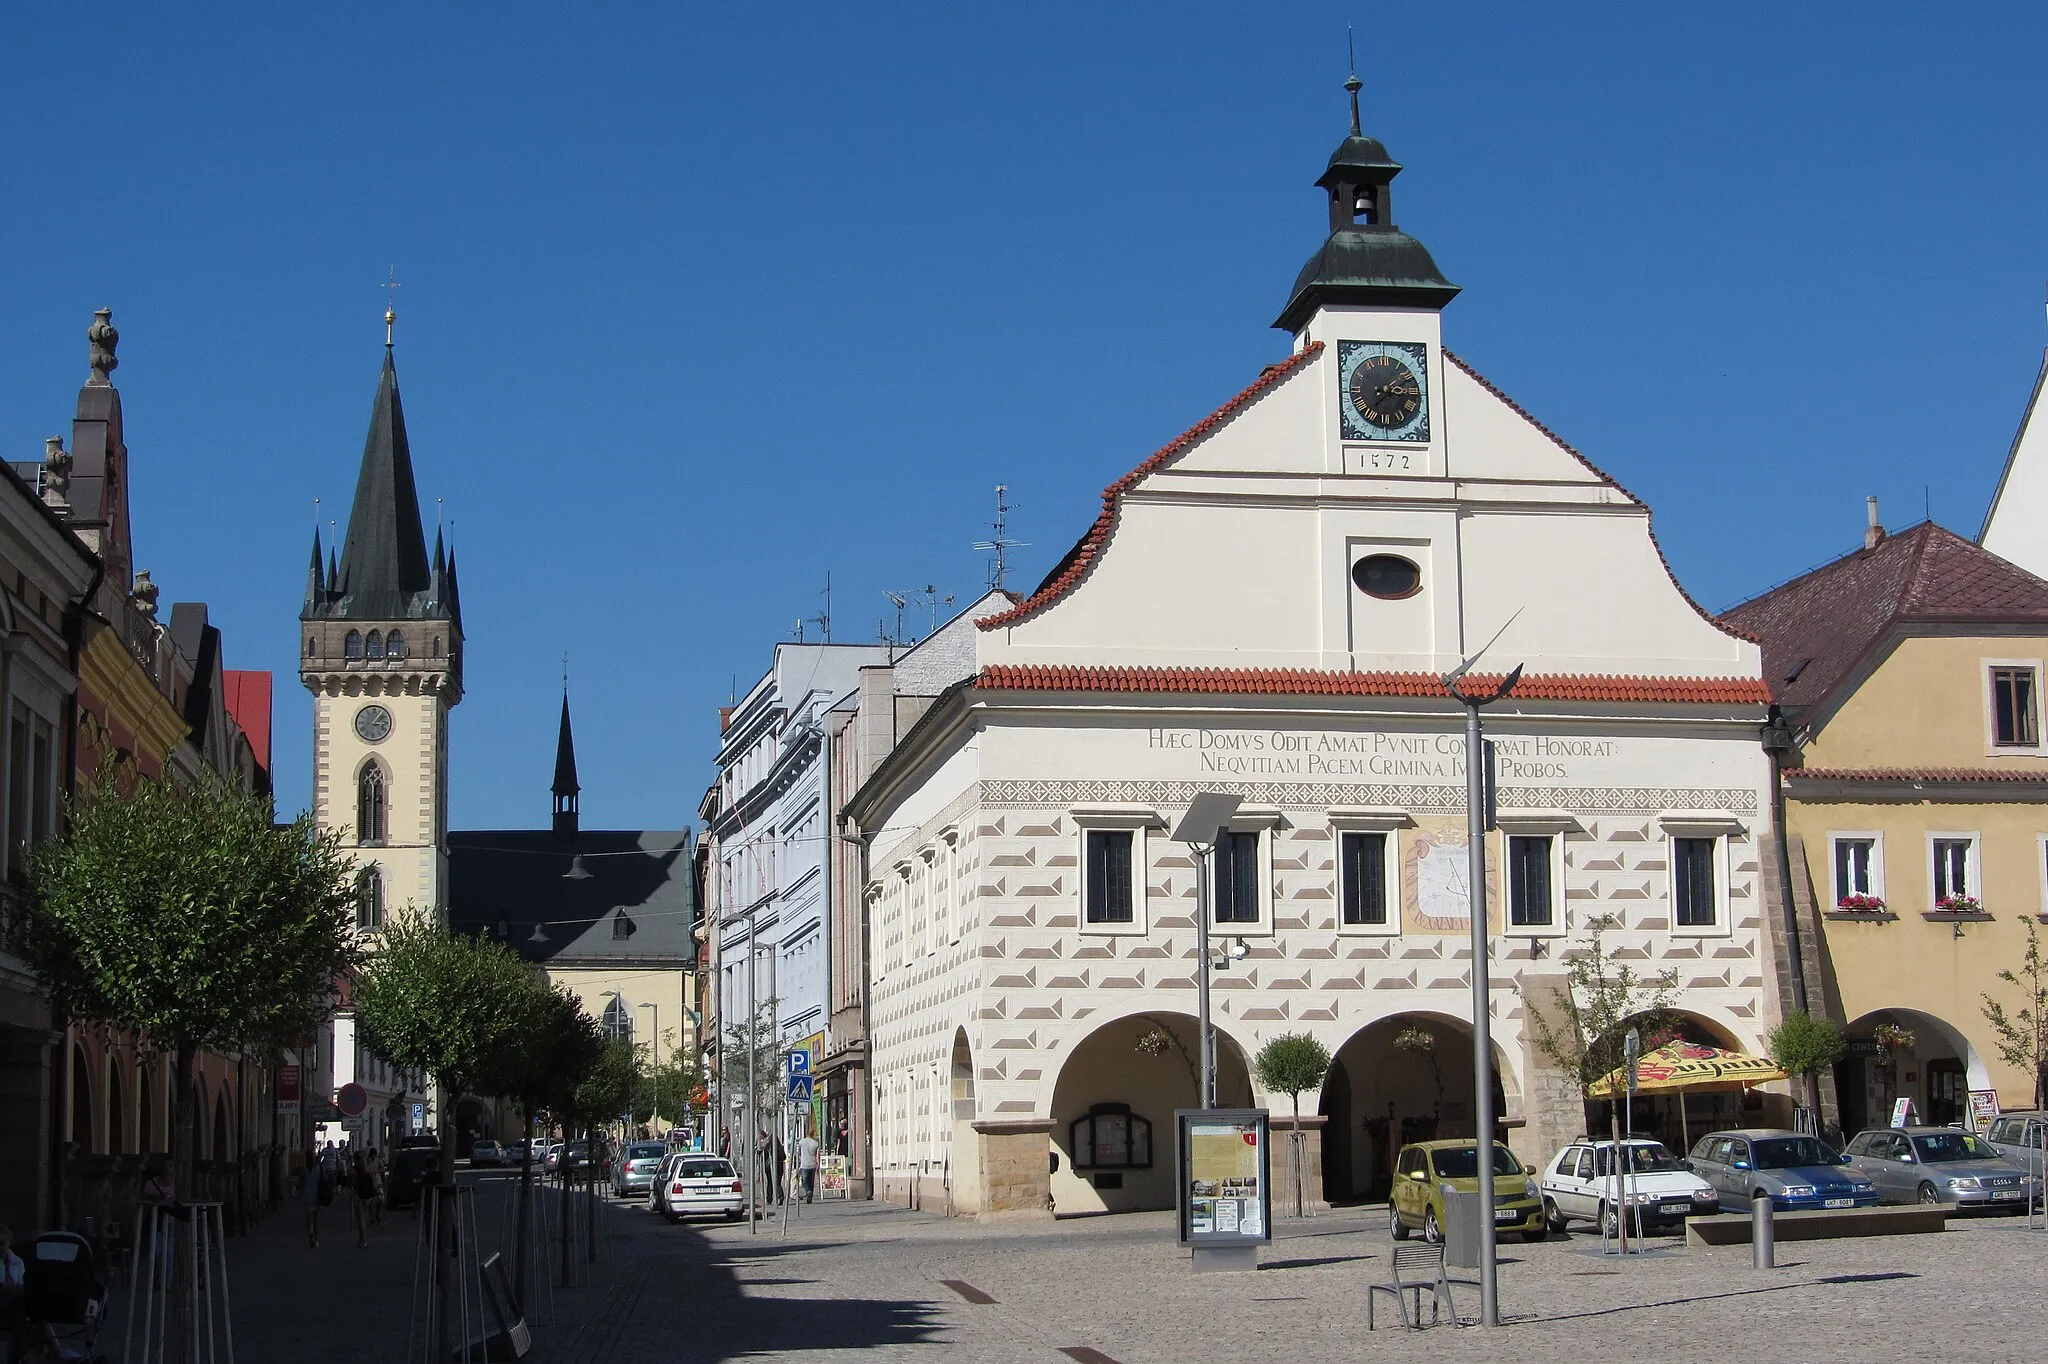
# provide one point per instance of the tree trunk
(521, 1260)
(590, 1188)
(184, 1138)
(184, 1126)
(562, 1172)
(1295, 1138)
(445, 1269)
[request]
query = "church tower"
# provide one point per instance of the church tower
(381, 651)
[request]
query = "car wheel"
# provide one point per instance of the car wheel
(1610, 1222)
(1431, 1232)
(1928, 1194)
(735, 1215)
(1552, 1218)
(1395, 1225)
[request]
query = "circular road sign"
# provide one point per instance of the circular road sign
(352, 1100)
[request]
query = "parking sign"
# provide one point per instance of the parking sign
(800, 1062)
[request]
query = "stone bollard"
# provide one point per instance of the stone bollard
(1763, 1235)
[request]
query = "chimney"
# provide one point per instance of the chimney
(724, 718)
(1875, 532)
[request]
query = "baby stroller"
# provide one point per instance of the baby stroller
(63, 1298)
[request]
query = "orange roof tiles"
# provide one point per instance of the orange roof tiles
(1311, 682)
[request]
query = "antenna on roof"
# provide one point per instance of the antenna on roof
(823, 618)
(1001, 543)
(1351, 82)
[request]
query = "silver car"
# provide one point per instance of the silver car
(2017, 1137)
(634, 1173)
(1939, 1165)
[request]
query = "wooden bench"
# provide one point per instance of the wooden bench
(1820, 1224)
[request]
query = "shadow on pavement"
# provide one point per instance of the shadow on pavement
(1310, 1263)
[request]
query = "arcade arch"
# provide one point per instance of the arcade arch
(1113, 1107)
(1928, 1060)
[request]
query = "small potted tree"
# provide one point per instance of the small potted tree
(1287, 1065)
(1803, 1046)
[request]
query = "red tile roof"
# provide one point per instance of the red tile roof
(1915, 774)
(247, 701)
(1309, 682)
(1817, 628)
(1082, 556)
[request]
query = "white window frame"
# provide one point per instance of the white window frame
(1364, 820)
(1556, 825)
(956, 902)
(1700, 824)
(2041, 867)
(929, 938)
(1993, 748)
(1138, 821)
(1875, 838)
(1265, 824)
(1973, 864)
(899, 894)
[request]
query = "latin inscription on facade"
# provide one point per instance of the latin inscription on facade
(1379, 755)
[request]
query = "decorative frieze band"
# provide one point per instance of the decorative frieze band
(1306, 795)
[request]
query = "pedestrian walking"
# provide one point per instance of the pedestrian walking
(361, 1190)
(807, 1166)
(375, 1165)
(311, 1183)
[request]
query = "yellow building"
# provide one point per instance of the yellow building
(1910, 672)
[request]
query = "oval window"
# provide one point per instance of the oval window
(1386, 576)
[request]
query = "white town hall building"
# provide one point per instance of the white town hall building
(1265, 606)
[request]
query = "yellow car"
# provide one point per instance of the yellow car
(1422, 1170)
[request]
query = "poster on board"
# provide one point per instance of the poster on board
(1224, 1172)
(1983, 1108)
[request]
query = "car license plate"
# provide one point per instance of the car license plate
(2008, 1193)
(1507, 1215)
(1840, 1203)
(1672, 1209)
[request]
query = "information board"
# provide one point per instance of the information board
(1224, 1173)
(1983, 1108)
(832, 1180)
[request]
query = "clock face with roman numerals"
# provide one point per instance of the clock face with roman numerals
(1383, 390)
(373, 724)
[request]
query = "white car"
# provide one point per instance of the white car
(1578, 1184)
(690, 1183)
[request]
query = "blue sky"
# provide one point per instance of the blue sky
(700, 304)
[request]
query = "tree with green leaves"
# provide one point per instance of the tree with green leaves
(1289, 1064)
(2021, 1034)
(1803, 1046)
(671, 1089)
(186, 916)
(1602, 1000)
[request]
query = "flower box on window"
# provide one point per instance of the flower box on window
(1957, 907)
(1860, 904)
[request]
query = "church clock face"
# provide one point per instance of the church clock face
(373, 724)
(1383, 390)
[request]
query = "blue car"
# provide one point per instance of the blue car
(1796, 1171)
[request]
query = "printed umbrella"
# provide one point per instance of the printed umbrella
(1683, 1068)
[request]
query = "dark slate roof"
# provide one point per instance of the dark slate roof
(1817, 629)
(199, 642)
(1367, 265)
(503, 882)
(384, 556)
(565, 755)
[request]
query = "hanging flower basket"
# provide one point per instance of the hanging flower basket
(1860, 904)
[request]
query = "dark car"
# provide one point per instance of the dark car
(416, 1158)
(1794, 1170)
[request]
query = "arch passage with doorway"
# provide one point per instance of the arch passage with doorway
(1402, 1079)
(963, 1157)
(1927, 1060)
(1113, 1106)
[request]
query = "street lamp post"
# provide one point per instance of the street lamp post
(654, 1068)
(1482, 1007)
(1208, 815)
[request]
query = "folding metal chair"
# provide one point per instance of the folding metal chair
(1417, 1269)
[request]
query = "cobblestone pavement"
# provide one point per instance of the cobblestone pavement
(868, 1281)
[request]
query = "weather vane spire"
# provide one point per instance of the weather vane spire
(391, 294)
(1351, 82)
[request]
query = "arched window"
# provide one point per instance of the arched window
(370, 804)
(145, 1111)
(370, 899)
(312, 646)
(437, 646)
(618, 1020)
(373, 647)
(394, 645)
(1110, 1137)
(352, 647)
(117, 1117)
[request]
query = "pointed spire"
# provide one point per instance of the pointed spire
(316, 585)
(566, 788)
(440, 554)
(384, 557)
(333, 571)
(451, 601)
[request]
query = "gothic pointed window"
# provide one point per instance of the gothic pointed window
(370, 899)
(373, 647)
(618, 1020)
(352, 647)
(394, 645)
(370, 804)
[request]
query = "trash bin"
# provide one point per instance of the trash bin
(1461, 1228)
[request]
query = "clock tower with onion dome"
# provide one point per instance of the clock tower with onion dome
(381, 650)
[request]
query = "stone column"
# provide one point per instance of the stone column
(1016, 1167)
(1552, 1108)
